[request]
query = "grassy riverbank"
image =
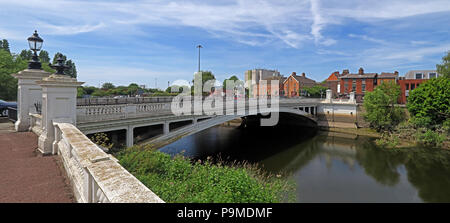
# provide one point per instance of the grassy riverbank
(178, 179)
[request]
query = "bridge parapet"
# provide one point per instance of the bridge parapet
(96, 177)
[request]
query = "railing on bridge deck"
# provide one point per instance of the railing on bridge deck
(125, 100)
(96, 176)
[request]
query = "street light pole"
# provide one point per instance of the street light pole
(199, 47)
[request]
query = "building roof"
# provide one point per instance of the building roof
(388, 75)
(355, 76)
(301, 79)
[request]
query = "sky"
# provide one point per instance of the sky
(153, 42)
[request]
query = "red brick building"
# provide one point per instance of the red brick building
(293, 84)
(358, 83)
(266, 88)
(412, 80)
(333, 81)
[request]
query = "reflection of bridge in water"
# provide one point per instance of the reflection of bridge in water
(157, 116)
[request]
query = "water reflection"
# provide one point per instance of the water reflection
(331, 167)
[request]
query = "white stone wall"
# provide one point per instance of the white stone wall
(96, 177)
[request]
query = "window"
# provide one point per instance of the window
(363, 85)
(413, 86)
(432, 75)
(419, 75)
(407, 86)
(354, 85)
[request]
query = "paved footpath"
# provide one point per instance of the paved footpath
(26, 176)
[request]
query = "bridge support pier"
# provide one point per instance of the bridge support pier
(166, 128)
(130, 136)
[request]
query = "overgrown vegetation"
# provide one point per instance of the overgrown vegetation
(381, 111)
(178, 179)
(428, 105)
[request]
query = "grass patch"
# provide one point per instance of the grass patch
(179, 180)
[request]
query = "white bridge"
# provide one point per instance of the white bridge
(111, 116)
(62, 122)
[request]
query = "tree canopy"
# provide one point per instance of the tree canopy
(444, 68)
(315, 91)
(380, 107)
(429, 104)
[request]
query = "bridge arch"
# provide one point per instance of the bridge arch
(217, 120)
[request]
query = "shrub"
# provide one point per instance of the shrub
(380, 107)
(178, 179)
(429, 137)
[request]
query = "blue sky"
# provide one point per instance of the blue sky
(139, 41)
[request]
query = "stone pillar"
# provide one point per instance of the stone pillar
(166, 128)
(352, 97)
(130, 136)
(59, 102)
(329, 95)
(28, 93)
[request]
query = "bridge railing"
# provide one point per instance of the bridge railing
(96, 177)
(125, 100)
(120, 111)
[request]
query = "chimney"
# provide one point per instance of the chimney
(361, 71)
(294, 74)
(396, 73)
(303, 74)
(345, 72)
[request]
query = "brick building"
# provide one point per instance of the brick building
(385, 77)
(333, 81)
(358, 83)
(266, 89)
(293, 84)
(412, 80)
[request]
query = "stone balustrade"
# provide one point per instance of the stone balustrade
(96, 177)
(36, 123)
(120, 111)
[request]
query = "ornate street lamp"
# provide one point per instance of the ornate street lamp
(59, 66)
(35, 43)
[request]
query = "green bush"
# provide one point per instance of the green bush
(179, 180)
(429, 137)
(381, 112)
(388, 140)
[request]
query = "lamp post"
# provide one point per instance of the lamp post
(199, 47)
(35, 43)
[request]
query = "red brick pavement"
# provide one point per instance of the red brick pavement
(26, 176)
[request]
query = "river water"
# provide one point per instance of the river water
(329, 167)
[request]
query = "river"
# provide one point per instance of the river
(329, 167)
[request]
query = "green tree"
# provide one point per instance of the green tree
(5, 45)
(236, 80)
(80, 92)
(315, 91)
(26, 54)
(107, 86)
(429, 104)
(380, 107)
(43, 57)
(89, 89)
(9, 65)
(444, 68)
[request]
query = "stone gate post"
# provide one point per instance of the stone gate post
(59, 102)
(29, 93)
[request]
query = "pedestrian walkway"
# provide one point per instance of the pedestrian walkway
(26, 176)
